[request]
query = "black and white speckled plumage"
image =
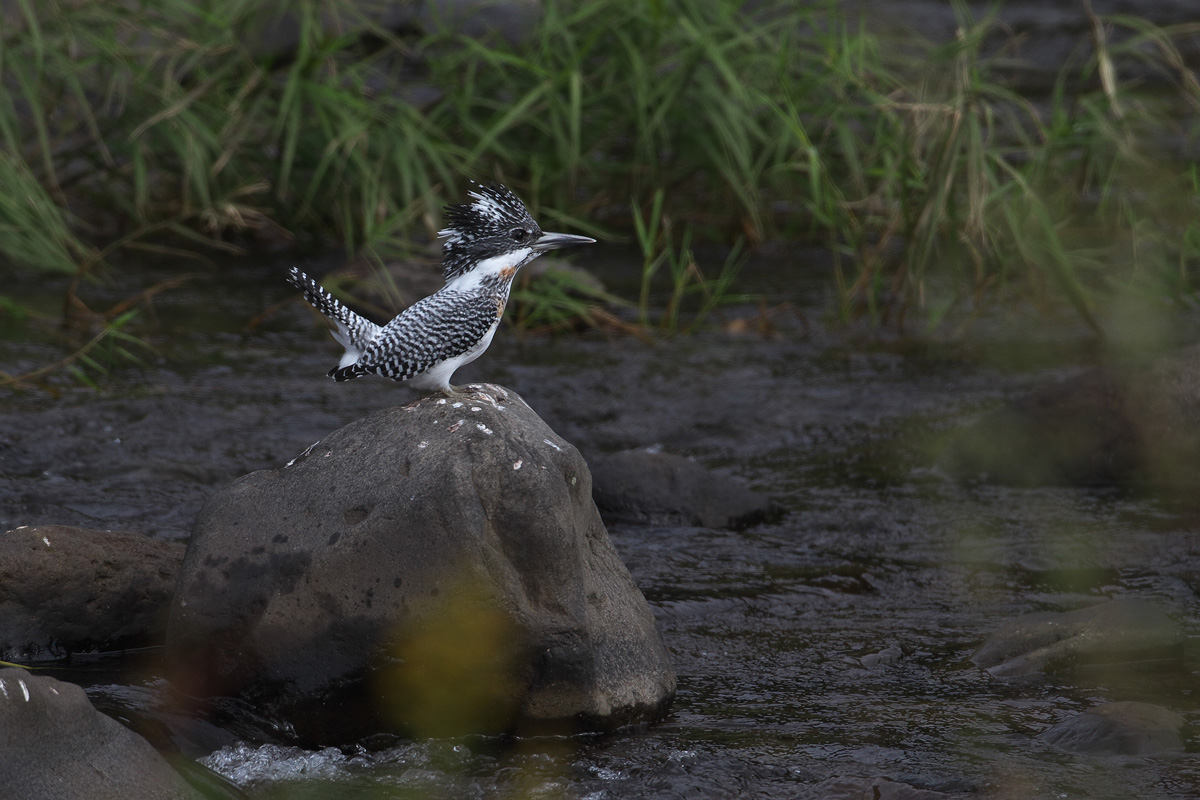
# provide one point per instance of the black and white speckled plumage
(486, 242)
(430, 331)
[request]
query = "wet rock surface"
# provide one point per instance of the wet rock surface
(56, 746)
(309, 588)
(1118, 630)
(1119, 729)
(67, 591)
(663, 489)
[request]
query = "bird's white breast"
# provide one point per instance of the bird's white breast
(490, 268)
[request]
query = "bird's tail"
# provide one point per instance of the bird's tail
(355, 333)
(346, 373)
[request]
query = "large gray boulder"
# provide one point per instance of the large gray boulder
(65, 591)
(436, 568)
(54, 745)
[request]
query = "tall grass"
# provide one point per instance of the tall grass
(628, 99)
(687, 280)
(933, 169)
(175, 128)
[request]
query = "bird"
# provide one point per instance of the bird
(485, 242)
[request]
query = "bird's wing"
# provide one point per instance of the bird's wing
(428, 332)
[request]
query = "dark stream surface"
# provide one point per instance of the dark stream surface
(835, 642)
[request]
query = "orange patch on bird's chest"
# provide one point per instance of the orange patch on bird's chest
(508, 272)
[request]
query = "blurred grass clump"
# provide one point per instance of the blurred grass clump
(177, 126)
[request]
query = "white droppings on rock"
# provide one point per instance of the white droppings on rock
(552, 444)
(441, 401)
(574, 480)
(46, 539)
(328, 453)
(3, 689)
(51, 688)
(476, 408)
(24, 689)
(307, 450)
(423, 445)
(517, 464)
(483, 428)
(457, 405)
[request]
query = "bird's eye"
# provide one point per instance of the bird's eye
(519, 235)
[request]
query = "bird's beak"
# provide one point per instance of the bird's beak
(553, 241)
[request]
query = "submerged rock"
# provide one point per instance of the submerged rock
(57, 746)
(67, 590)
(1124, 729)
(1105, 427)
(1118, 630)
(662, 489)
(436, 568)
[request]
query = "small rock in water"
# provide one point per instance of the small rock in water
(1124, 728)
(66, 590)
(888, 655)
(1046, 640)
(663, 489)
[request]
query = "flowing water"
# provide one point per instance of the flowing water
(832, 643)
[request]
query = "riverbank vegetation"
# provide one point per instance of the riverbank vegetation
(195, 129)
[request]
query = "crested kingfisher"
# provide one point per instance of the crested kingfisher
(485, 242)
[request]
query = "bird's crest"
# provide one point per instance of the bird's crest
(484, 227)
